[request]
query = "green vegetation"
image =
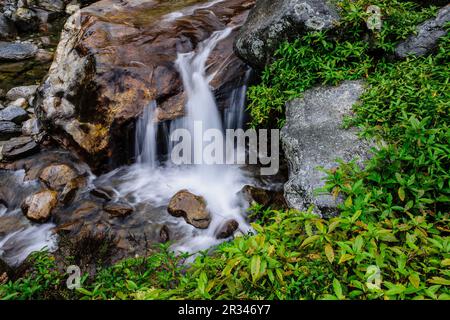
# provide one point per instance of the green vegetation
(395, 217)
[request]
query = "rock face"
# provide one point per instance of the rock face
(313, 136)
(115, 57)
(191, 207)
(426, 39)
(15, 51)
(17, 148)
(273, 21)
(38, 207)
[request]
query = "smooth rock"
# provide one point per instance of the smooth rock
(272, 22)
(14, 114)
(313, 136)
(227, 229)
(426, 39)
(118, 209)
(21, 92)
(191, 207)
(56, 176)
(8, 130)
(21, 103)
(17, 148)
(15, 51)
(38, 207)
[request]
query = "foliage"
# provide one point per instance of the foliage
(347, 53)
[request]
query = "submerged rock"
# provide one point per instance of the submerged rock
(313, 137)
(227, 229)
(118, 209)
(426, 39)
(38, 207)
(191, 207)
(114, 58)
(15, 51)
(273, 21)
(17, 148)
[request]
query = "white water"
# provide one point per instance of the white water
(218, 184)
(25, 236)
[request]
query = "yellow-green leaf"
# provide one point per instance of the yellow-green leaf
(445, 262)
(309, 240)
(415, 280)
(255, 267)
(439, 280)
(329, 252)
(401, 194)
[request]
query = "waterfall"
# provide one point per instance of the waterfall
(152, 183)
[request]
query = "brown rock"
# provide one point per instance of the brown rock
(38, 207)
(114, 58)
(118, 209)
(56, 176)
(227, 229)
(70, 190)
(164, 234)
(191, 207)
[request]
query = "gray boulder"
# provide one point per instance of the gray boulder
(313, 137)
(273, 21)
(427, 36)
(14, 114)
(15, 51)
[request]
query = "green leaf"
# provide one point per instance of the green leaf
(329, 252)
(255, 267)
(401, 194)
(337, 289)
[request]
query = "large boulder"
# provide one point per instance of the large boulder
(273, 21)
(191, 207)
(426, 38)
(116, 57)
(314, 137)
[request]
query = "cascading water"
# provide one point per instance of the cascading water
(148, 182)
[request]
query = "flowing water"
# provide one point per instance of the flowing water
(154, 182)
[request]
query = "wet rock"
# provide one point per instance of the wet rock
(164, 234)
(426, 39)
(15, 51)
(227, 229)
(44, 55)
(5, 272)
(313, 136)
(21, 103)
(72, 8)
(13, 114)
(118, 209)
(103, 193)
(7, 29)
(38, 207)
(8, 130)
(56, 176)
(191, 207)
(21, 92)
(26, 20)
(273, 21)
(71, 189)
(17, 148)
(92, 96)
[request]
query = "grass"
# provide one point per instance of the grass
(392, 238)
